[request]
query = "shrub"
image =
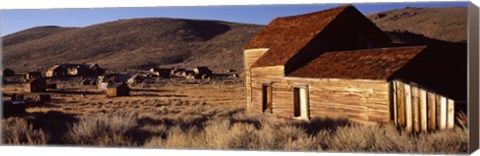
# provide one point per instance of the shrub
(104, 130)
(18, 131)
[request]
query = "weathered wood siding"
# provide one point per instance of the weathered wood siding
(364, 101)
(249, 57)
(420, 110)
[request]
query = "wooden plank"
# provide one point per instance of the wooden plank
(416, 108)
(408, 108)
(401, 103)
(432, 122)
(450, 114)
(443, 113)
(394, 101)
(423, 110)
(438, 108)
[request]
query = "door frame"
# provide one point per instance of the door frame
(307, 102)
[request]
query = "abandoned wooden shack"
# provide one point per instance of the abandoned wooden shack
(177, 71)
(36, 85)
(7, 72)
(94, 68)
(118, 89)
(83, 69)
(32, 75)
(56, 71)
(135, 79)
(337, 64)
(102, 86)
(162, 72)
(202, 70)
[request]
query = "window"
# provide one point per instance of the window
(267, 97)
(300, 102)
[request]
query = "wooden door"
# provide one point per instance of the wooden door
(301, 102)
(267, 97)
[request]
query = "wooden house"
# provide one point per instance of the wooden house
(135, 79)
(7, 72)
(118, 89)
(202, 70)
(178, 71)
(94, 68)
(36, 85)
(337, 64)
(83, 69)
(162, 72)
(102, 86)
(33, 75)
(56, 71)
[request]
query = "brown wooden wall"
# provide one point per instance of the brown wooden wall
(364, 101)
(250, 56)
(420, 110)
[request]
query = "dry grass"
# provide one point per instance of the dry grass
(240, 131)
(103, 129)
(18, 131)
(186, 116)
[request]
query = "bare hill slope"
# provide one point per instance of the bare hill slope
(134, 43)
(445, 24)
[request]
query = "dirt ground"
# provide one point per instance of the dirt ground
(76, 99)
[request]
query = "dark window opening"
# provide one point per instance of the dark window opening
(267, 97)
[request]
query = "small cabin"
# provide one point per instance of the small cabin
(102, 86)
(94, 68)
(135, 79)
(202, 70)
(56, 71)
(7, 72)
(33, 75)
(36, 85)
(118, 89)
(178, 71)
(83, 69)
(162, 72)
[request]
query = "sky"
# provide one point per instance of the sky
(16, 20)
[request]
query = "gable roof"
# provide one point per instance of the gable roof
(301, 28)
(294, 37)
(378, 63)
(54, 67)
(286, 36)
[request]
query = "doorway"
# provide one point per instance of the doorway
(267, 97)
(300, 103)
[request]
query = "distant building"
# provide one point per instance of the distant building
(162, 72)
(83, 69)
(33, 75)
(202, 70)
(118, 89)
(36, 85)
(178, 71)
(135, 79)
(56, 71)
(7, 72)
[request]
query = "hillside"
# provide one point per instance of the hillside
(150, 42)
(32, 34)
(132, 43)
(444, 24)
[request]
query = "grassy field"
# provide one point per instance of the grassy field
(200, 116)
